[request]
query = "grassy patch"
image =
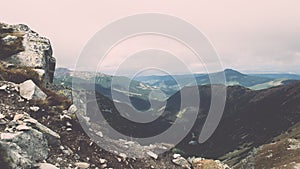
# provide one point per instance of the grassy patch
(19, 75)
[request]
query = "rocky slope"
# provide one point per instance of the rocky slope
(250, 120)
(35, 134)
(283, 152)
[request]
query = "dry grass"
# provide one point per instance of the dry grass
(16, 47)
(19, 75)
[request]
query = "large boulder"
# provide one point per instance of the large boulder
(22, 47)
(29, 90)
(22, 149)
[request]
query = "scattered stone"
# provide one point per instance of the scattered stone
(119, 160)
(72, 109)
(102, 161)
(18, 117)
(68, 124)
(65, 111)
(103, 166)
(176, 156)
(180, 161)
(52, 137)
(29, 91)
(67, 152)
(34, 108)
(153, 155)
(129, 143)
(123, 156)
(3, 87)
(2, 116)
(23, 128)
(46, 166)
(59, 159)
(82, 165)
(2, 122)
(62, 117)
(31, 120)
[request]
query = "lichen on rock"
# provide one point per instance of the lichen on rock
(22, 47)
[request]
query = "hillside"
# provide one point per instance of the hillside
(251, 119)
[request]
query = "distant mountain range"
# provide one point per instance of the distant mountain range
(140, 87)
(233, 77)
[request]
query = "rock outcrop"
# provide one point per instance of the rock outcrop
(22, 47)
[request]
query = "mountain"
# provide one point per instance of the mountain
(251, 119)
(279, 76)
(116, 83)
(168, 84)
(114, 87)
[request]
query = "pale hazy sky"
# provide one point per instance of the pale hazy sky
(257, 35)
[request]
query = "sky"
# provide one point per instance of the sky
(250, 36)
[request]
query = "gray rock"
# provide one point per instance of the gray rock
(153, 155)
(34, 143)
(12, 156)
(82, 165)
(31, 120)
(102, 161)
(26, 48)
(18, 117)
(2, 116)
(29, 90)
(34, 108)
(23, 127)
(46, 166)
(52, 137)
(180, 161)
(72, 109)
(22, 149)
(176, 156)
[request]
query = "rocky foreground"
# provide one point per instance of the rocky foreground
(43, 136)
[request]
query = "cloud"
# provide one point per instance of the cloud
(248, 35)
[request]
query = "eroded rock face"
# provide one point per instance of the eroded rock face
(22, 47)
